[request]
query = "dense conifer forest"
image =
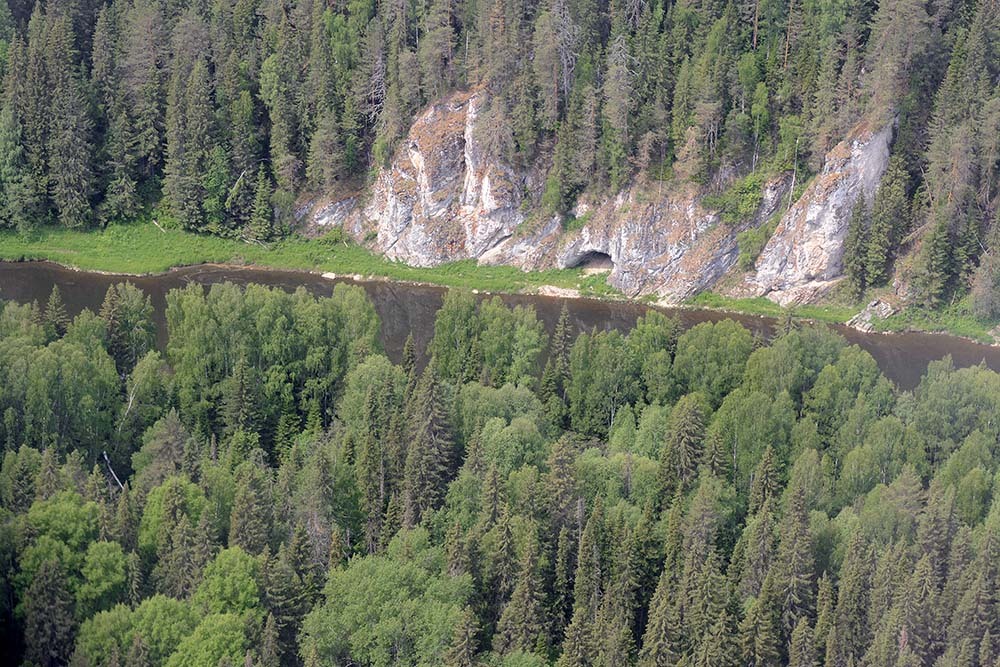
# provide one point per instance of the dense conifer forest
(272, 490)
(220, 115)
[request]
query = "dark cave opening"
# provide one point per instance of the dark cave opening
(594, 261)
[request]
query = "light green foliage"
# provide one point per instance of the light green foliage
(618, 477)
(229, 586)
(792, 361)
(603, 379)
(375, 374)
(65, 517)
(70, 396)
(189, 500)
(486, 341)
(711, 358)
(510, 446)
(104, 633)
(747, 421)
(299, 346)
(103, 574)
(949, 404)
(397, 609)
(163, 623)
(301, 497)
(216, 637)
(475, 405)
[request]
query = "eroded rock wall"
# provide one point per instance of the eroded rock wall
(439, 200)
(442, 199)
(804, 256)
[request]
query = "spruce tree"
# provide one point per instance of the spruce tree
(888, 223)
(935, 264)
(662, 641)
(522, 623)
(855, 245)
(616, 617)
(683, 447)
(262, 215)
(250, 520)
(56, 316)
(760, 632)
(759, 540)
(794, 563)
(581, 642)
(48, 617)
(430, 455)
(848, 635)
(801, 652)
(70, 151)
(765, 482)
(464, 643)
(18, 207)
(190, 135)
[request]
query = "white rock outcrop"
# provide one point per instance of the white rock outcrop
(804, 256)
(440, 199)
(443, 198)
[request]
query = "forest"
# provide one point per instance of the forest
(223, 116)
(271, 490)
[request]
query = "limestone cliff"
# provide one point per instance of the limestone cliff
(441, 199)
(804, 257)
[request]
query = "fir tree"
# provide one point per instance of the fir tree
(683, 447)
(794, 562)
(764, 484)
(250, 520)
(888, 223)
(801, 652)
(56, 316)
(69, 148)
(463, 648)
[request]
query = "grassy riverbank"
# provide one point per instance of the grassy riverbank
(832, 314)
(143, 248)
(956, 320)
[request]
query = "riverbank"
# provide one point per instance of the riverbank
(957, 320)
(142, 248)
(145, 249)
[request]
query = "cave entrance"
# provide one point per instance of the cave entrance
(595, 262)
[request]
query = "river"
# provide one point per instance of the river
(405, 308)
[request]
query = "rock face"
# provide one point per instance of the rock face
(442, 199)
(804, 256)
(665, 244)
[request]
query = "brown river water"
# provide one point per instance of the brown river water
(404, 307)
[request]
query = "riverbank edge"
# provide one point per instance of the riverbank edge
(50, 246)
